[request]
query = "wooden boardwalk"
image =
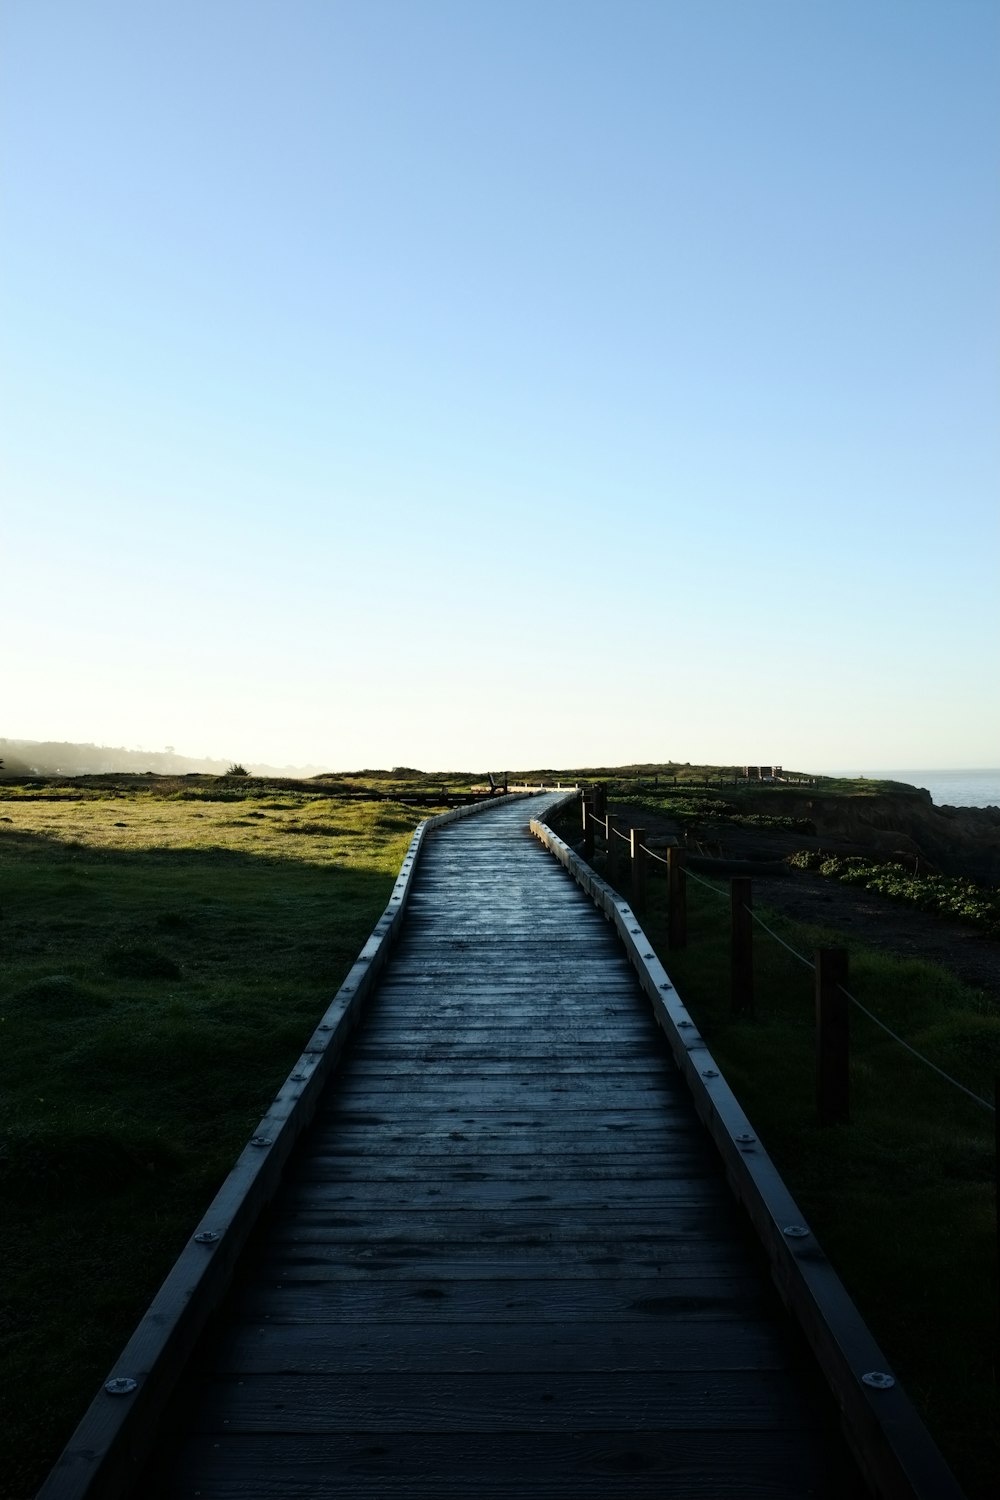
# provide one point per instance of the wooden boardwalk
(505, 1262)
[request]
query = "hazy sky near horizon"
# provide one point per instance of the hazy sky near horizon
(502, 383)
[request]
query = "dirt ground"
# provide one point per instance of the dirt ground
(808, 897)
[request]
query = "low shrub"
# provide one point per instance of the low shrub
(945, 895)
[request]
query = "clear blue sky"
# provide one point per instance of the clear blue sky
(502, 383)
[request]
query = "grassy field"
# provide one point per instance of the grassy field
(901, 1198)
(165, 951)
(166, 945)
(631, 781)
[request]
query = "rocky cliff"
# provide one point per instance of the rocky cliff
(954, 840)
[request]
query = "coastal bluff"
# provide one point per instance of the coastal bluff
(955, 840)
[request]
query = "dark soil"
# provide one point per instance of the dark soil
(807, 897)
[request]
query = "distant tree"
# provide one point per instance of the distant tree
(237, 770)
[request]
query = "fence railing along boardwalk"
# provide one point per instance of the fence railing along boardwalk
(505, 1259)
(627, 862)
(895, 1450)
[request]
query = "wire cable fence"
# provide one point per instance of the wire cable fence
(916, 1141)
(809, 964)
(713, 888)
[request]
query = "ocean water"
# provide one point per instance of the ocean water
(947, 788)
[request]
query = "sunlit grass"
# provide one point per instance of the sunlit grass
(162, 963)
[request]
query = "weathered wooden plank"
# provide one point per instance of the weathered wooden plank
(529, 1039)
(357, 1260)
(300, 1298)
(509, 953)
(468, 1166)
(431, 1093)
(739, 1400)
(741, 1465)
(542, 1002)
(608, 984)
(475, 1070)
(571, 976)
(550, 960)
(518, 1117)
(315, 1189)
(501, 1023)
(437, 988)
(643, 1221)
(739, 1344)
(379, 1143)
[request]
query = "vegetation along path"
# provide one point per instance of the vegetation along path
(505, 1261)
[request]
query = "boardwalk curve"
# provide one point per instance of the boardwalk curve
(505, 1261)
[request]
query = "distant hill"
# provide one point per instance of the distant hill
(63, 758)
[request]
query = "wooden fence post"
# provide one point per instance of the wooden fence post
(637, 837)
(676, 899)
(601, 814)
(741, 945)
(611, 866)
(587, 803)
(832, 1037)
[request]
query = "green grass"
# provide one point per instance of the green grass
(667, 776)
(192, 787)
(692, 808)
(902, 1197)
(862, 786)
(166, 946)
(162, 963)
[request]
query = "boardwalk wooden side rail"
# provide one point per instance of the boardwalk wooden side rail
(595, 817)
(894, 1449)
(833, 999)
(105, 1453)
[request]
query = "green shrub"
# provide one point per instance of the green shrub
(944, 895)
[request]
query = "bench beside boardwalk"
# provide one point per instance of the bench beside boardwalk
(505, 1261)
